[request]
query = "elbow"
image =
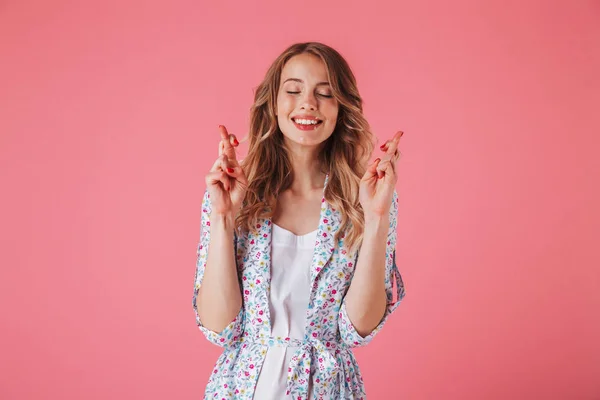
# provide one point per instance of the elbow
(357, 331)
(366, 313)
(218, 323)
(214, 329)
(216, 319)
(220, 331)
(224, 336)
(365, 323)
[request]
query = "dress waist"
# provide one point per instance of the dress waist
(319, 344)
(312, 353)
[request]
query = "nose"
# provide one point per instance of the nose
(309, 101)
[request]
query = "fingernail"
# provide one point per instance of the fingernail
(401, 133)
(235, 142)
(230, 170)
(220, 126)
(383, 146)
(377, 160)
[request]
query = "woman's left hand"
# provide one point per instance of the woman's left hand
(379, 182)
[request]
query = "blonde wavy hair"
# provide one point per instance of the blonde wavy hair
(344, 155)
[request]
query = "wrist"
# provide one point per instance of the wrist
(224, 220)
(375, 219)
(376, 224)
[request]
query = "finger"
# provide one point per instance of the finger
(234, 143)
(392, 145)
(226, 162)
(396, 138)
(385, 167)
(233, 140)
(217, 177)
(233, 171)
(221, 163)
(223, 133)
(228, 148)
(237, 174)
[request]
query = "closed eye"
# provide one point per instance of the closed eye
(328, 96)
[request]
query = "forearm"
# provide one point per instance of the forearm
(366, 298)
(219, 296)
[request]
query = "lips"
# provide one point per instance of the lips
(306, 124)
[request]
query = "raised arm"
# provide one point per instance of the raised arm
(217, 292)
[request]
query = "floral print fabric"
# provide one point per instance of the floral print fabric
(325, 355)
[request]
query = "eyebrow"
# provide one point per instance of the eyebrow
(301, 81)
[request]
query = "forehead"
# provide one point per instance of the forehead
(306, 67)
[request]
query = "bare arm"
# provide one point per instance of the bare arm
(366, 298)
(219, 297)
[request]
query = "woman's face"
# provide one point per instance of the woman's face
(306, 110)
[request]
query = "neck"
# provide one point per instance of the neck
(308, 174)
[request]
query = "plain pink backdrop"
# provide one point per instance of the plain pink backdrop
(108, 117)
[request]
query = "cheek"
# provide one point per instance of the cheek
(282, 112)
(284, 106)
(332, 112)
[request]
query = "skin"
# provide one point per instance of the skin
(304, 90)
(366, 298)
(219, 296)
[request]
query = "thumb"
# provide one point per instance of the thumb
(372, 169)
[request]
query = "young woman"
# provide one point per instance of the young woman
(296, 260)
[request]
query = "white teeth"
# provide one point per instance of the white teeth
(307, 121)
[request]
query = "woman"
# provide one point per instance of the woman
(296, 261)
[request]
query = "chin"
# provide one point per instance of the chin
(306, 139)
(312, 137)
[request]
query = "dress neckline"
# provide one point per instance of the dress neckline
(284, 236)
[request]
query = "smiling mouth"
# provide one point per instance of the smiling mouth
(306, 124)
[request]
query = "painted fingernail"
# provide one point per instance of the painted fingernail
(235, 142)
(230, 170)
(383, 146)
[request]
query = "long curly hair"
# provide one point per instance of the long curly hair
(344, 155)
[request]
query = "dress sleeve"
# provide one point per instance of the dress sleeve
(234, 330)
(348, 333)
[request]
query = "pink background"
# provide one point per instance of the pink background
(108, 117)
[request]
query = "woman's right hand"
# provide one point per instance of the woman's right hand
(226, 181)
